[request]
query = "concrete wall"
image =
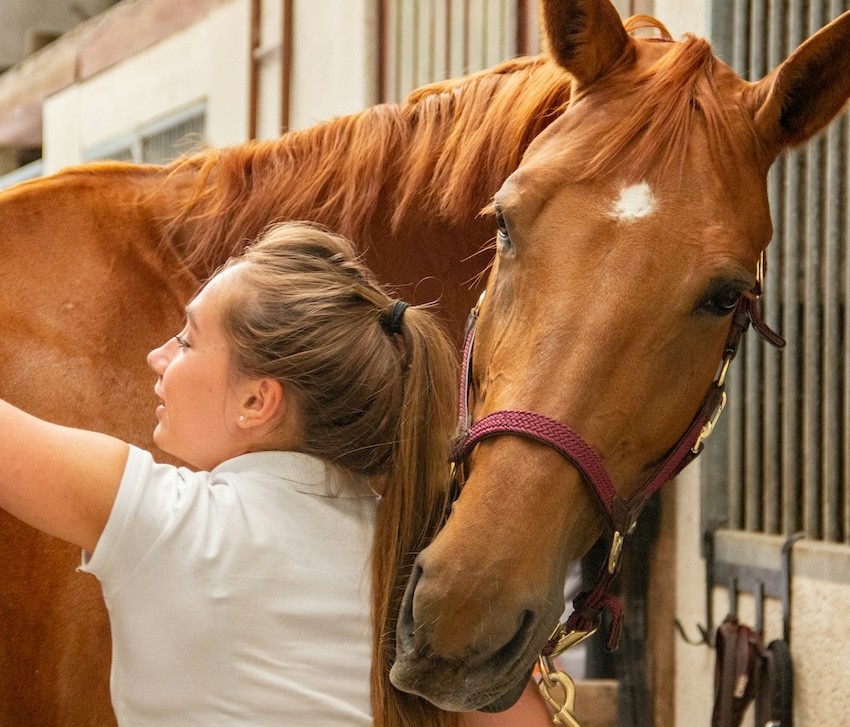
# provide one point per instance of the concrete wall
(334, 59)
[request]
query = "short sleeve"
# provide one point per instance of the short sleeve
(148, 496)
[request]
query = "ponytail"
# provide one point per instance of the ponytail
(413, 507)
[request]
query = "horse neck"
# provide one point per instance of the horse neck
(438, 157)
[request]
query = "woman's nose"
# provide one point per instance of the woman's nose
(159, 358)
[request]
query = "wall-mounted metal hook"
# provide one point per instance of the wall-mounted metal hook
(706, 633)
(786, 584)
(733, 597)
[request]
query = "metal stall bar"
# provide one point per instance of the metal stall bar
(831, 415)
(774, 25)
(791, 323)
(750, 56)
(812, 321)
(845, 305)
(736, 383)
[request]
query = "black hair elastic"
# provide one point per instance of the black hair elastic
(392, 319)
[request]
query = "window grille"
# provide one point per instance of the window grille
(157, 143)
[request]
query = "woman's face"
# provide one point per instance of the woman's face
(199, 392)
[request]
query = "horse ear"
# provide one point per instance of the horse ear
(801, 96)
(586, 37)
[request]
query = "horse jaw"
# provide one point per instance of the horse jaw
(443, 651)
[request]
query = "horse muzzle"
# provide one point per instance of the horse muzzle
(464, 658)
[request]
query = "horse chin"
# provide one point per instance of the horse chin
(456, 694)
(509, 698)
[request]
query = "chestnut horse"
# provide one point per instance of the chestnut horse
(629, 226)
(629, 240)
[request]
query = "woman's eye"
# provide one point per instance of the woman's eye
(181, 341)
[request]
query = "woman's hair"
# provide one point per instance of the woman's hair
(374, 386)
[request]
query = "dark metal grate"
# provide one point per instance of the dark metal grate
(782, 462)
(423, 41)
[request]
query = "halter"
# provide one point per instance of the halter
(620, 514)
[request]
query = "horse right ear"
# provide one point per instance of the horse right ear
(802, 95)
(586, 37)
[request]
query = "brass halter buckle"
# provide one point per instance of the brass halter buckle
(709, 426)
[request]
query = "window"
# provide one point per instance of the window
(157, 143)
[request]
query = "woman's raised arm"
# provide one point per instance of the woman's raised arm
(60, 480)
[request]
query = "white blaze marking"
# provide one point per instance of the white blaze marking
(634, 202)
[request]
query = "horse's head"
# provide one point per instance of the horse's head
(626, 239)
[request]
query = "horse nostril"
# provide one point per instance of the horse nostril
(405, 631)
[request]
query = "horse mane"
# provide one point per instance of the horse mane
(445, 150)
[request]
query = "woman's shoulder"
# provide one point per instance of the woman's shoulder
(293, 471)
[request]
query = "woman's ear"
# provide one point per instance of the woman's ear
(263, 401)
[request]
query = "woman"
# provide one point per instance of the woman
(315, 413)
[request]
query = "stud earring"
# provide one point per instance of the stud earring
(243, 419)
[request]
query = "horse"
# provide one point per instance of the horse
(628, 263)
(622, 180)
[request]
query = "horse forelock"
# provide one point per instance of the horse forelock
(666, 101)
(442, 153)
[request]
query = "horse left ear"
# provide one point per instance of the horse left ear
(586, 37)
(802, 95)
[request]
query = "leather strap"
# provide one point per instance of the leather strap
(775, 686)
(738, 651)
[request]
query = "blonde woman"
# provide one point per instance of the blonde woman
(314, 413)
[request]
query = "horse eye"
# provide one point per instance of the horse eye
(503, 236)
(721, 302)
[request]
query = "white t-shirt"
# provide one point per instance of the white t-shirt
(240, 596)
